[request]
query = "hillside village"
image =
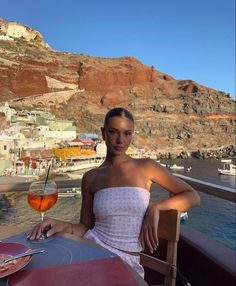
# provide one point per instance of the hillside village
(34, 138)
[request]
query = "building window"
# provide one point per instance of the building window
(5, 147)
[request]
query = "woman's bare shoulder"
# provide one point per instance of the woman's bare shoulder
(90, 174)
(88, 178)
(145, 162)
(92, 179)
(150, 167)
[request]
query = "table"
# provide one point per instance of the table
(68, 259)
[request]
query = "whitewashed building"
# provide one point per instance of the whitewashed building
(7, 111)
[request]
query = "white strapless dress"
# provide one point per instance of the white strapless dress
(119, 213)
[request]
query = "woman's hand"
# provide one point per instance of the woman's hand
(149, 230)
(50, 227)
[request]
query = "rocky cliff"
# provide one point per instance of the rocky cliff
(171, 115)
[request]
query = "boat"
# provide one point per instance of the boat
(69, 192)
(183, 216)
(164, 165)
(176, 167)
(231, 171)
(75, 175)
(159, 162)
(226, 161)
(79, 166)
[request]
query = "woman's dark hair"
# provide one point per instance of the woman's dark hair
(118, 111)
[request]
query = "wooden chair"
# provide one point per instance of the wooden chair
(164, 260)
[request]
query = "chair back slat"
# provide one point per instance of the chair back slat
(168, 230)
(169, 225)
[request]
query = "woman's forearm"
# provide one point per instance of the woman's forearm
(181, 202)
(77, 229)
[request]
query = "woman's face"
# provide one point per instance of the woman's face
(118, 134)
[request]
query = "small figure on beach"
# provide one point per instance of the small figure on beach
(116, 212)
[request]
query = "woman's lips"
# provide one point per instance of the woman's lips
(118, 148)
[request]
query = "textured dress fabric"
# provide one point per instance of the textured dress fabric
(119, 213)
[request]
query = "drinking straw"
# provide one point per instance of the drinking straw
(45, 183)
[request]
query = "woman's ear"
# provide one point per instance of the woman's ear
(103, 133)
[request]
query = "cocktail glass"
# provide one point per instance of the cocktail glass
(42, 196)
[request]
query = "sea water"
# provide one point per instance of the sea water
(215, 217)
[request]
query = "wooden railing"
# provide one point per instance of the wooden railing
(222, 192)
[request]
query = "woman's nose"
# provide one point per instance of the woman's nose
(119, 138)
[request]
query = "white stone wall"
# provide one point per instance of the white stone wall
(6, 38)
(60, 135)
(60, 125)
(8, 111)
(42, 128)
(30, 144)
(5, 148)
(8, 143)
(13, 129)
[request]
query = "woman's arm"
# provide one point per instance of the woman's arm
(86, 213)
(184, 197)
(53, 226)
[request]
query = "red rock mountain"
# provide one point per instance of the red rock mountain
(171, 115)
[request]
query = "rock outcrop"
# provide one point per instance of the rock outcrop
(171, 115)
(17, 30)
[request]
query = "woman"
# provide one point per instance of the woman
(115, 211)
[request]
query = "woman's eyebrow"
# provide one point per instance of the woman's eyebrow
(129, 130)
(113, 128)
(109, 128)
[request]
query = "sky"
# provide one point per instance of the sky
(187, 39)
